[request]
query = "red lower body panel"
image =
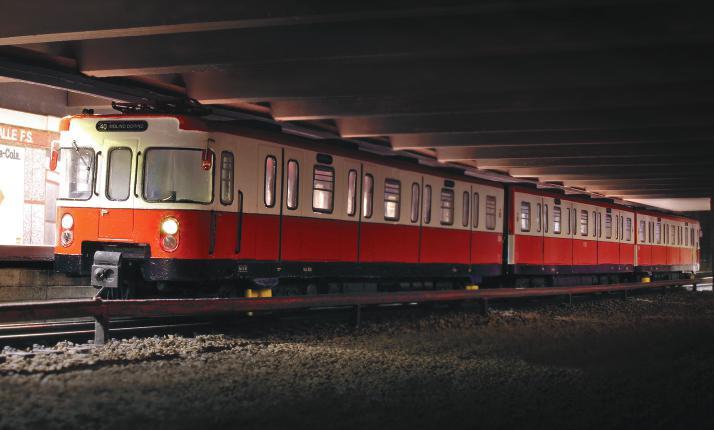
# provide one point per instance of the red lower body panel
(444, 245)
(311, 239)
(627, 254)
(388, 243)
(486, 248)
(528, 249)
(659, 255)
(584, 252)
(644, 255)
(557, 251)
(608, 253)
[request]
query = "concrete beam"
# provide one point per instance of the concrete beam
(524, 139)
(479, 34)
(613, 118)
(632, 152)
(337, 77)
(95, 19)
(507, 163)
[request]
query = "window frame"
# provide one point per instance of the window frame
(296, 185)
(586, 224)
(466, 209)
(232, 178)
(331, 169)
(559, 216)
(426, 204)
(144, 165)
(365, 192)
(265, 181)
(415, 202)
(491, 198)
(93, 176)
(475, 214)
(447, 192)
(352, 194)
(109, 167)
(525, 222)
(398, 202)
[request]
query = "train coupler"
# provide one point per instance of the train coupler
(105, 269)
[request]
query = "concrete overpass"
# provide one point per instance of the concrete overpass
(612, 97)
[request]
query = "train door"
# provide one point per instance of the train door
(225, 222)
(116, 172)
(265, 223)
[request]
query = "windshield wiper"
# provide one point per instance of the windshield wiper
(76, 148)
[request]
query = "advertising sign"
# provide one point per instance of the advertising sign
(12, 166)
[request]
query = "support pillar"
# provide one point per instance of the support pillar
(101, 329)
(358, 315)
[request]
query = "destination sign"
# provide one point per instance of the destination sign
(122, 126)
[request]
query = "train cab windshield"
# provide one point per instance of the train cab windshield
(176, 175)
(76, 168)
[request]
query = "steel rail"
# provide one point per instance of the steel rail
(104, 310)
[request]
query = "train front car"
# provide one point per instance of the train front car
(134, 191)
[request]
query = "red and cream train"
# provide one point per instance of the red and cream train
(181, 200)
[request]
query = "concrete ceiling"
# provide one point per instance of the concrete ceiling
(616, 97)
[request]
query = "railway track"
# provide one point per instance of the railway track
(80, 319)
(83, 329)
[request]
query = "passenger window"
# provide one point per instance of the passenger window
(352, 192)
(414, 215)
(686, 236)
(465, 210)
(447, 206)
(271, 170)
(227, 173)
(525, 216)
(490, 212)
(323, 186)
(119, 174)
(293, 184)
(476, 210)
(392, 196)
(622, 230)
(367, 195)
(556, 219)
(583, 222)
(545, 218)
(641, 231)
(628, 229)
(538, 213)
(608, 226)
(427, 204)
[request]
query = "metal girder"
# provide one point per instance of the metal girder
(360, 77)
(95, 19)
(568, 29)
(612, 118)
(580, 151)
(651, 134)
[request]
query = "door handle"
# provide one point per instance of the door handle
(103, 212)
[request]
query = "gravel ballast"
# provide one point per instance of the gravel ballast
(644, 362)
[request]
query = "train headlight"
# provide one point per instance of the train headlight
(169, 238)
(67, 221)
(169, 243)
(169, 226)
